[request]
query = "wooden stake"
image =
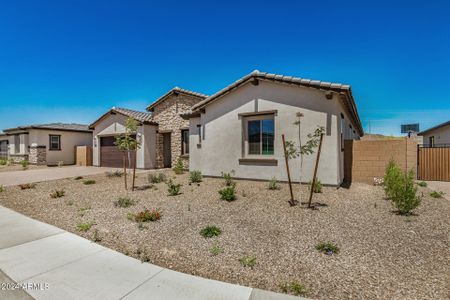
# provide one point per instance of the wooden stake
(315, 171)
(125, 169)
(134, 170)
(292, 202)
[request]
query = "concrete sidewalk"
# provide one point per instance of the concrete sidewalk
(56, 264)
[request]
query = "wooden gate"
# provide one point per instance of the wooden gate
(433, 163)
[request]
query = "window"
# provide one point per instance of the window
(199, 131)
(55, 142)
(185, 141)
(431, 141)
(260, 134)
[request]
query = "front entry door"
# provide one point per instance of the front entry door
(167, 153)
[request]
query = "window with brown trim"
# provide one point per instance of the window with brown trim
(185, 141)
(260, 135)
(54, 142)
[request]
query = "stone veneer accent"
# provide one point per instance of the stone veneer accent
(37, 155)
(167, 115)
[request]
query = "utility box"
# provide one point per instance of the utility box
(83, 155)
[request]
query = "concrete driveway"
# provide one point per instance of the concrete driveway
(50, 173)
(440, 186)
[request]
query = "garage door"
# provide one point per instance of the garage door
(110, 155)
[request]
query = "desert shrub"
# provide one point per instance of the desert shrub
(89, 181)
(195, 176)
(2, 189)
(156, 178)
(273, 184)
(96, 236)
(248, 261)
(215, 250)
(27, 186)
(57, 193)
(404, 196)
(317, 186)
(3, 162)
(147, 216)
(124, 202)
(422, 184)
(116, 173)
(293, 287)
(228, 178)
(210, 231)
(436, 194)
(392, 179)
(328, 248)
(179, 166)
(24, 163)
(173, 188)
(228, 194)
(84, 226)
(78, 178)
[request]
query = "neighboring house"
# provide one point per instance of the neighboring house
(239, 128)
(3, 146)
(163, 133)
(437, 136)
(49, 144)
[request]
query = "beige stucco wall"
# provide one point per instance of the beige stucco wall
(221, 145)
(113, 125)
(441, 136)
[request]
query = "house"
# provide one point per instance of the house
(437, 136)
(163, 133)
(49, 144)
(240, 127)
(4, 141)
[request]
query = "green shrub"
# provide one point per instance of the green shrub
(2, 189)
(146, 216)
(317, 186)
(27, 186)
(57, 193)
(124, 202)
(156, 178)
(327, 248)
(195, 176)
(24, 163)
(173, 188)
(215, 250)
(179, 167)
(392, 179)
(248, 261)
(404, 196)
(293, 287)
(436, 194)
(273, 184)
(78, 178)
(422, 184)
(228, 194)
(228, 179)
(84, 226)
(3, 162)
(89, 181)
(210, 231)
(113, 174)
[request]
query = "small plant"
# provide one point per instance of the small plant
(96, 236)
(392, 179)
(210, 231)
(215, 250)
(248, 261)
(156, 178)
(228, 178)
(60, 163)
(124, 202)
(24, 163)
(228, 194)
(179, 167)
(57, 193)
(113, 174)
(195, 177)
(89, 181)
(86, 206)
(293, 287)
(2, 189)
(422, 184)
(317, 186)
(78, 178)
(436, 194)
(3, 162)
(328, 248)
(27, 186)
(84, 226)
(143, 255)
(147, 216)
(173, 188)
(404, 195)
(273, 184)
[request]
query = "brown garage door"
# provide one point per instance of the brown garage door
(110, 155)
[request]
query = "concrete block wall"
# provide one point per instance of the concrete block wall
(365, 160)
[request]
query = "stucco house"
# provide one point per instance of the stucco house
(163, 133)
(239, 128)
(48, 144)
(438, 135)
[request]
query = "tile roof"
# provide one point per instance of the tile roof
(143, 117)
(53, 126)
(435, 127)
(175, 90)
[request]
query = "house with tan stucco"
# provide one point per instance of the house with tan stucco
(44, 144)
(436, 136)
(239, 128)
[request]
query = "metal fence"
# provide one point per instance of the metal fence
(433, 162)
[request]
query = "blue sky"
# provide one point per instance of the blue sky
(70, 61)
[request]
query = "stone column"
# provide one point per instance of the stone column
(38, 155)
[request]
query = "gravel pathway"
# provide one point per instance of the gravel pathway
(382, 254)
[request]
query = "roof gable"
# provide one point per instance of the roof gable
(176, 90)
(140, 116)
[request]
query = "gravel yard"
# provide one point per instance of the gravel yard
(382, 254)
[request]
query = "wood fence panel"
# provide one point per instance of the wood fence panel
(434, 164)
